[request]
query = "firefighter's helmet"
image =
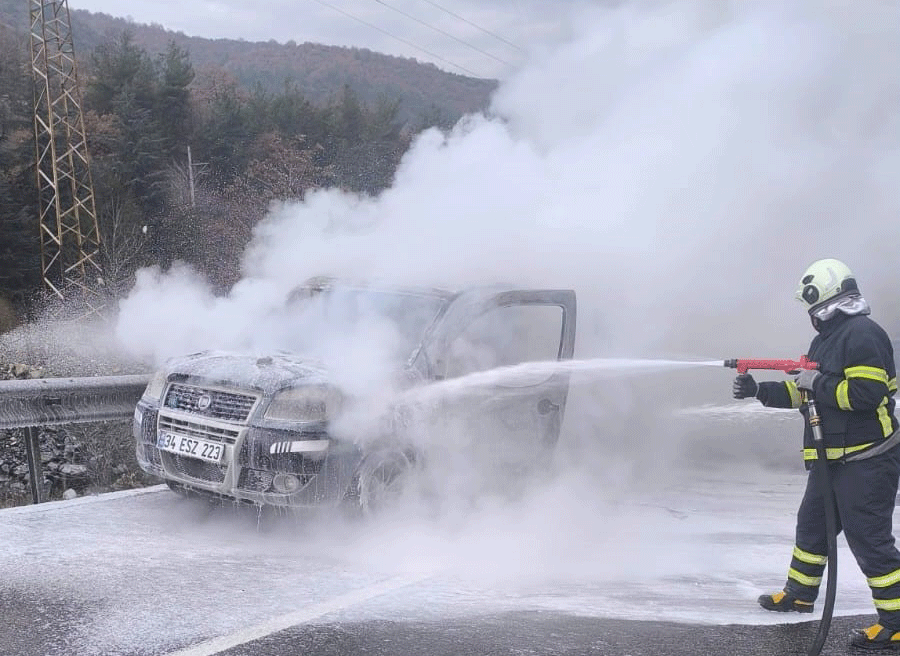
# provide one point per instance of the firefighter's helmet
(825, 281)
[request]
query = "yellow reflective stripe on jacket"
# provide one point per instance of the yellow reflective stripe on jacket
(887, 604)
(793, 392)
(892, 385)
(803, 579)
(806, 557)
(886, 426)
(837, 452)
(872, 373)
(842, 394)
(884, 580)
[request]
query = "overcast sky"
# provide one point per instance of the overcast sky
(485, 38)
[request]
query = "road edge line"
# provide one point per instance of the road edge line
(47, 506)
(311, 612)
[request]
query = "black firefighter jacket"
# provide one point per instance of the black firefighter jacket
(855, 393)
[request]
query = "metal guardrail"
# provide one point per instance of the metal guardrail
(37, 402)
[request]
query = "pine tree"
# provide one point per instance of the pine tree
(173, 100)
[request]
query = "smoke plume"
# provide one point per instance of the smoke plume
(677, 164)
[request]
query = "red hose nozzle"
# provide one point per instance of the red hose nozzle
(743, 366)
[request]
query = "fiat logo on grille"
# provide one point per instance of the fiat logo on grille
(204, 402)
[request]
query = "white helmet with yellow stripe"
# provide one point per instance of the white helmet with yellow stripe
(824, 281)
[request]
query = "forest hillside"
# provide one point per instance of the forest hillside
(320, 72)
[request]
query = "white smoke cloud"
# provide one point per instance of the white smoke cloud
(677, 164)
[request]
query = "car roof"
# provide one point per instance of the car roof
(321, 284)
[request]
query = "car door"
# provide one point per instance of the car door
(511, 409)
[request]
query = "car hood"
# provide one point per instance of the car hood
(267, 373)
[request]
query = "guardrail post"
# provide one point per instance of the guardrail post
(35, 471)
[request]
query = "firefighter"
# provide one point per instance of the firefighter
(854, 392)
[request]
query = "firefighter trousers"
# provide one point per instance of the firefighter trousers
(864, 494)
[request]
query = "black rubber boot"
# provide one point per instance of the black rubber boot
(782, 602)
(876, 637)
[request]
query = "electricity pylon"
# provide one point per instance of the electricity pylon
(70, 237)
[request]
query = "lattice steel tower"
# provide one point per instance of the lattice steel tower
(70, 237)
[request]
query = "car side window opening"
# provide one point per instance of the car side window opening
(506, 336)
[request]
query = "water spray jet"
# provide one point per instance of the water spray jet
(517, 375)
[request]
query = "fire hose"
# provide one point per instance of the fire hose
(824, 476)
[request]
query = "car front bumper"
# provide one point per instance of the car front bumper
(258, 465)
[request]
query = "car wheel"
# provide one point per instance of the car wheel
(383, 478)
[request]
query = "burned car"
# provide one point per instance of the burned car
(281, 429)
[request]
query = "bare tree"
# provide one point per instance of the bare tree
(123, 246)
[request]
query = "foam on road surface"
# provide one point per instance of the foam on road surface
(669, 568)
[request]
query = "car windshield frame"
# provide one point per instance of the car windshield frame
(413, 339)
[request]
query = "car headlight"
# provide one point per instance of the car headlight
(307, 403)
(156, 386)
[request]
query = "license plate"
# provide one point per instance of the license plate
(190, 447)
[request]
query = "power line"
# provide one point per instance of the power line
(398, 38)
(439, 30)
(477, 27)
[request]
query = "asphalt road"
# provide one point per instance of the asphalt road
(43, 628)
(671, 569)
(548, 634)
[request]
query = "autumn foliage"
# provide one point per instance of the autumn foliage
(186, 157)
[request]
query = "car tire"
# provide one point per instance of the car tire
(383, 477)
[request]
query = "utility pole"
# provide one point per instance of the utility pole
(202, 168)
(70, 237)
(191, 174)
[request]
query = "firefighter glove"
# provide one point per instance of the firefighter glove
(806, 380)
(744, 386)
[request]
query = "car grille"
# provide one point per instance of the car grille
(195, 468)
(217, 404)
(193, 429)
